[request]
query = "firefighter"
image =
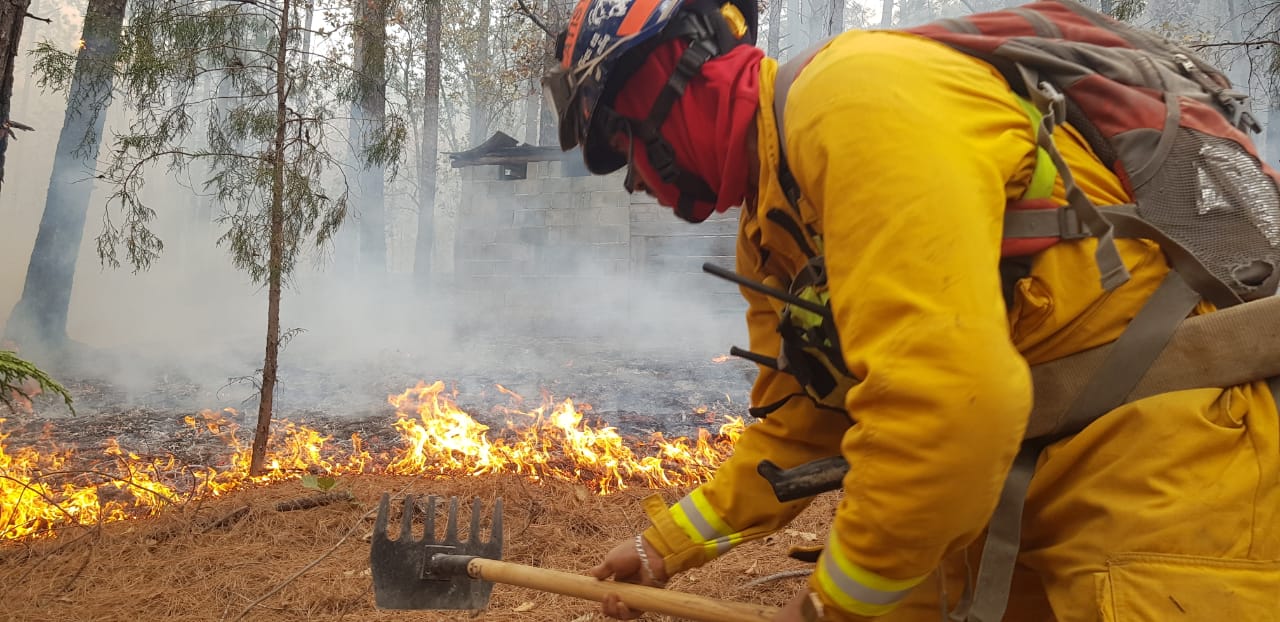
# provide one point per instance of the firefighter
(906, 153)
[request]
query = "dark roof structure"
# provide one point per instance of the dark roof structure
(502, 149)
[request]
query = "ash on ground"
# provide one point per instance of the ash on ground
(142, 401)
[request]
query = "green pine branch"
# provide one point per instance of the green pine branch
(14, 370)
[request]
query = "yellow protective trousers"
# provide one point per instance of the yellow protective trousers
(1165, 509)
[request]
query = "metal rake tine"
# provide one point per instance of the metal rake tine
(406, 519)
(380, 523)
(475, 520)
(495, 528)
(451, 530)
(429, 534)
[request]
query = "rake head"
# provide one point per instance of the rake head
(404, 576)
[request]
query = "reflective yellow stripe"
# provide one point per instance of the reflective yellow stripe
(856, 589)
(1045, 173)
(694, 515)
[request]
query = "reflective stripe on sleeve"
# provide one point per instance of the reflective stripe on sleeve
(694, 515)
(856, 589)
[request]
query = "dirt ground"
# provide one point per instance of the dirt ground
(184, 566)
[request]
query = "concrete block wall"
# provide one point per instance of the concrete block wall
(533, 253)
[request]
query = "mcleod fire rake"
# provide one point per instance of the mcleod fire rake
(453, 573)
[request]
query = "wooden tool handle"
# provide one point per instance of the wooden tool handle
(679, 604)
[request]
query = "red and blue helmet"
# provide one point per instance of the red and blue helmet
(605, 41)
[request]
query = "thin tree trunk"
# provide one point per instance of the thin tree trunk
(12, 16)
(547, 133)
(425, 244)
(556, 17)
(774, 45)
(532, 108)
(886, 14)
(797, 38)
(40, 316)
(275, 257)
(368, 119)
(479, 92)
(835, 17)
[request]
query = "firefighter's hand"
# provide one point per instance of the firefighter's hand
(794, 611)
(623, 564)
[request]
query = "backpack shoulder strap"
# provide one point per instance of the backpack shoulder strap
(786, 76)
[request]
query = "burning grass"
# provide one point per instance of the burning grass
(45, 488)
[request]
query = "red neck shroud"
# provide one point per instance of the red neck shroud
(707, 127)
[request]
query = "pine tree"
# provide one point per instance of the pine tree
(265, 142)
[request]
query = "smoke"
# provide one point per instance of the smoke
(188, 333)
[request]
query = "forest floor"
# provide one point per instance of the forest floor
(204, 557)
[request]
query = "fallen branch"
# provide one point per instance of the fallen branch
(786, 574)
(290, 505)
(227, 520)
(314, 501)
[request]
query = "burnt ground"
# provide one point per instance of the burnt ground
(142, 401)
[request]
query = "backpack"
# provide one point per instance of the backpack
(1168, 124)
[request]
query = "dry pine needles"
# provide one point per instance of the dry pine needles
(176, 568)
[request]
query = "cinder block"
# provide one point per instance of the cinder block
(560, 201)
(503, 188)
(607, 234)
(584, 217)
(535, 201)
(614, 215)
(531, 186)
(551, 185)
(532, 235)
(530, 218)
(558, 217)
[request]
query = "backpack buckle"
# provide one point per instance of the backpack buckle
(1069, 225)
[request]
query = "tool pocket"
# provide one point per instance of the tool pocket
(1151, 587)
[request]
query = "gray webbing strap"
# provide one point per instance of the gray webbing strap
(787, 73)
(1004, 533)
(1063, 223)
(1132, 354)
(1130, 357)
(1053, 110)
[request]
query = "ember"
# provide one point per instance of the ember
(42, 489)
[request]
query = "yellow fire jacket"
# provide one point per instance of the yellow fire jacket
(907, 153)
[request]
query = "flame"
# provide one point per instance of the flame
(720, 359)
(46, 486)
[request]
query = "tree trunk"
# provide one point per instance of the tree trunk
(886, 14)
(425, 243)
(774, 45)
(40, 316)
(548, 134)
(835, 17)
(797, 36)
(556, 18)
(12, 16)
(368, 118)
(479, 91)
(533, 106)
(275, 257)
